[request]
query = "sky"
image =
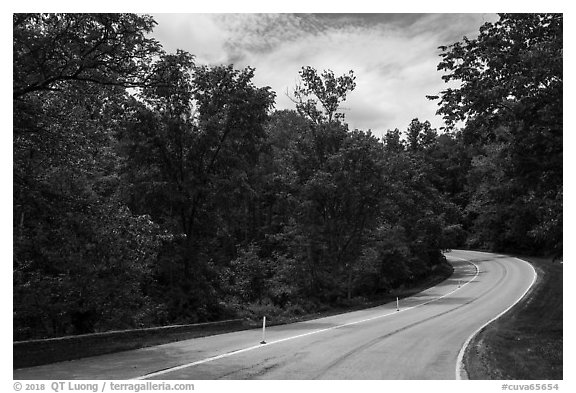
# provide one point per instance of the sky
(394, 56)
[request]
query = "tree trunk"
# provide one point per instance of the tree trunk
(189, 257)
(349, 285)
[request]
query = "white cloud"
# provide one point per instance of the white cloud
(393, 56)
(199, 34)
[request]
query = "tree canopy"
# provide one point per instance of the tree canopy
(510, 100)
(52, 49)
(152, 190)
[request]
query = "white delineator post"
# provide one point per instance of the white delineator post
(263, 331)
(397, 304)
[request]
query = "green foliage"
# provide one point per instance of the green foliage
(190, 148)
(347, 192)
(66, 220)
(510, 97)
(51, 50)
(324, 90)
(513, 67)
(186, 199)
(81, 258)
(420, 136)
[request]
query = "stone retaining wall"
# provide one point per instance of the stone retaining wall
(37, 352)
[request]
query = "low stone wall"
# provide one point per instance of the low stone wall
(37, 352)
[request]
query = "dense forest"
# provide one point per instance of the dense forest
(152, 190)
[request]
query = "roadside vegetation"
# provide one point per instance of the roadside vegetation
(526, 342)
(150, 190)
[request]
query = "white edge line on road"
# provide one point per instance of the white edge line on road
(227, 354)
(460, 371)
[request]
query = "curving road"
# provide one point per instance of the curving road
(421, 341)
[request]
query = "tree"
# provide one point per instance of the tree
(77, 249)
(393, 142)
(355, 201)
(81, 258)
(328, 92)
(512, 68)
(510, 97)
(152, 190)
(53, 49)
(420, 136)
(190, 147)
(321, 194)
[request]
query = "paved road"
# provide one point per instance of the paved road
(421, 341)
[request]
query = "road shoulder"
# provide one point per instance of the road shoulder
(526, 342)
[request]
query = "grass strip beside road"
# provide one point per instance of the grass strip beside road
(526, 342)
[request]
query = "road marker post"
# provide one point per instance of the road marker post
(263, 331)
(397, 304)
